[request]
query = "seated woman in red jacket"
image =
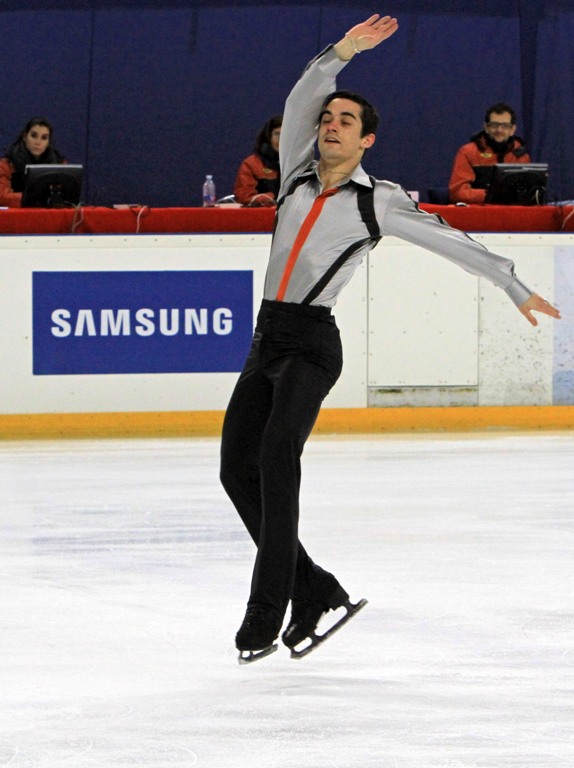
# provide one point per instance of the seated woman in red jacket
(496, 143)
(33, 145)
(258, 178)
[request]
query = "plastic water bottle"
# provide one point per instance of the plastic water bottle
(209, 195)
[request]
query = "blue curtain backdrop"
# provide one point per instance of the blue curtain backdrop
(151, 96)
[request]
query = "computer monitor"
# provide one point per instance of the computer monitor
(52, 186)
(482, 176)
(513, 183)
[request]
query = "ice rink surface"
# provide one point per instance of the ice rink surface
(124, 577)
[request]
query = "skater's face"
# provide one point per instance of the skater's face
(340, 132)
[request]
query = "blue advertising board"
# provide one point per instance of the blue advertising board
(141, 322)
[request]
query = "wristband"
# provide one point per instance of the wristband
(353, 43)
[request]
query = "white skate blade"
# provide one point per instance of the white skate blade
(315, 640)
(248, 657)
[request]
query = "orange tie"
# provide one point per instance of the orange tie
(302, 235)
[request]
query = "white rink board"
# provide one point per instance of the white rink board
(23, 393)
(516, 360)
(408, 318)
(423, 319)
(431, 324)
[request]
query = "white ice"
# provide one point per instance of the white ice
(124, 574)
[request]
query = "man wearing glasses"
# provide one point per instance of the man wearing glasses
(496, 143)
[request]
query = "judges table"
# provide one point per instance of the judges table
(145, 220)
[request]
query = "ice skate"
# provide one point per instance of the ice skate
(301, 636)
(255, 637)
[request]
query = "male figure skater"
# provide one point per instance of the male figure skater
(330, 214)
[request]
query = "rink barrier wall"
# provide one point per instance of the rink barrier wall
(418, 333)
(342, 421)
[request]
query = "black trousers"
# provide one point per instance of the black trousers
(295, 359)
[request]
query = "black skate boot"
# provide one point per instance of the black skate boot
(305, 617)
(259, 629)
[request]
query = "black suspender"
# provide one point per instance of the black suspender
(365, 202)
(292, 187)
(366, 205)
(333, 269)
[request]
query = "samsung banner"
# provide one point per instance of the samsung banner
(141, 322)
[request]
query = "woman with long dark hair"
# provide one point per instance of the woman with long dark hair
(35, 145)
(258, 178)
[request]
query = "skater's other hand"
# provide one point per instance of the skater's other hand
(538, 304)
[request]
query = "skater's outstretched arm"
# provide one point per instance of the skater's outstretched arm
(300, 116)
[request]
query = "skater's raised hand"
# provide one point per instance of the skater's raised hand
(366, 35)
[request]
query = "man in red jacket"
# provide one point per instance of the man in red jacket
(496, 143)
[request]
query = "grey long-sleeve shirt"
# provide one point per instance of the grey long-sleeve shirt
(339, 224)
